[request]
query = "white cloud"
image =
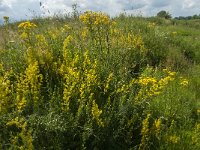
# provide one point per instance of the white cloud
(22, 9)
(191, 4)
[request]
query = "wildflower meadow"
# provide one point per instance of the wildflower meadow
(89, 81)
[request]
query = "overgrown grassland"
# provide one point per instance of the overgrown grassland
(92, 82)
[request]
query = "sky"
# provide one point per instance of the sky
(26, 9)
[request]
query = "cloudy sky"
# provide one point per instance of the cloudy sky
(23, 9)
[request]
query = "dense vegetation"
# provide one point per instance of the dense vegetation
(92, 82)
(164, 14)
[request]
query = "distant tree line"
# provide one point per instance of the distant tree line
(167, 15)
(188, 17)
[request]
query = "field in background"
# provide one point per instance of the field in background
(94, 82)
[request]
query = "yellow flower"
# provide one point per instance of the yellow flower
(67, 27)
(157, 124)
(174, 33)
(172, 73)
(174, 139)
(23, 139)
(151, 24)
(5, 91)
(151, 86)
(114, 23)
(96, 112)
(109, 79)
(67, 41)
(95, 18)
(145, 125)
(147, 80)
(84, 33)
(24, 35)
(41, 41)
(144, 132)
(29, 83)
(27, 25)
(184, 82)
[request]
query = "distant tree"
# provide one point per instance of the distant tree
(181, 18)
(195, 17)
(188, 17)
(164, 14)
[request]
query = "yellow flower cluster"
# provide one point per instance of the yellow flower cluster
(41, 41)
(184, 82)
(4, 92)
(77, 81)
(53, 34)
(196, 135)
(139, 43)
(151, 86)
(130, 41)
(23, 139)
(157, 125)
(145, 125)
(80, 80)
(173, 139)
(90, 18)
(144, 132)
(174, 33)
(151, 24)
(125, 88)
(66, 42)
(96, 112)
(66, 28)
(99, 26)
(28, 87)
(24, 35)
(27, 25)
(60, 32)
(72, 78)
(26, 32)
(109, 79)
(84, 33)
(147, 81)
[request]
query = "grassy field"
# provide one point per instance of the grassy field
(94, 82)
